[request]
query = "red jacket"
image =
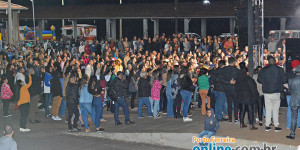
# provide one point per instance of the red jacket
(6, 93)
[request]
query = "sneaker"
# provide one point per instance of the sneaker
(157, 117)
(277, 129)
(187, 119)
(103, 120)
(58, 118)
(140, 117)
(43, 109)
(87, 130)
(268, 128)
(100, 130)
(74, 130)
(24, 130)
(48, 115)
(165, 112)
(134, 109)
(8, 115)
(150, 116)
(190, 114)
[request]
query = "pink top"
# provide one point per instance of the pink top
(6, 93)
(155, 90)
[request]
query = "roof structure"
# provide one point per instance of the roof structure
(4, 6)
(217, 9)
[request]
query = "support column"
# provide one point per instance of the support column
(145, 27)
(41, 24)
(203, 27)
(114, 29)
(107, 29)
(186, 25)
(232, 26)
(282, 23)
(64, 32)
(121, 28)
(74, 24)
(15, 28)
(156, 27)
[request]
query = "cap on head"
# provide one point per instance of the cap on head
(295, 63)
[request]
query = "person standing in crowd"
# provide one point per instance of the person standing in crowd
(218, 88)
(7, 142)
(247, 96)
(47, 89)
(85, 102)
(120, 87)
(294, 103)
(133, 87)
(56, 92)
(170, 101)
(203, 83)
(186, 91)
(144, 92)
(272, 79)
(95, 89)
(35, 91)
(72, 103)
(24, 103)
(260, 102)
(230, 76)
(6, 95)
(175, 92)
(155, 93)
(89, 69)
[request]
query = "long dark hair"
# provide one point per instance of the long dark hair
(18, 90)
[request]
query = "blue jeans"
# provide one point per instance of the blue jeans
(155, 108)
(186, 97)
(86, 109)
(289, 114)
(220, 102)
(48, 101)
(209, 135)
(144, 100)
(121, 102)
(62, 108)
(151, 103)
(170, 112)
(98, 106)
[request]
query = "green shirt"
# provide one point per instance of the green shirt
(203, 82)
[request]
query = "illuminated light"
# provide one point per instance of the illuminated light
(206, 2)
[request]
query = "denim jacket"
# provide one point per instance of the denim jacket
(85, 96)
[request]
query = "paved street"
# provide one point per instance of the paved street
(53, 134)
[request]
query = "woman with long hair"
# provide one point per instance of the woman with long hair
(133, 87)
(203, 84)
(6, 95)
(170, 101)
(85, 102)
(96, 90)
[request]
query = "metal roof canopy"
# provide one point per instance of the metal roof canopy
(4, 6)
(223, 9)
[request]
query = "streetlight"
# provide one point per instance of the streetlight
(206, 2)
(33, 18)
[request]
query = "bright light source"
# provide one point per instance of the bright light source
(206, 2)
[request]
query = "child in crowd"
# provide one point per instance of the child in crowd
(210, 127)
(155, 93)
(6, 95)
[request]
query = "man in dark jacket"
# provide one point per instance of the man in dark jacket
(56, 91)
(120, 87)
(230, 76)
(272, 79)
(35, 91)
(72, 103)
(217, 82)
(144, 91)
(294, 86)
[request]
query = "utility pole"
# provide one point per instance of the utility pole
(176, 17)
(250, 37)
(33, 17)
(10, 35)
(121, 29)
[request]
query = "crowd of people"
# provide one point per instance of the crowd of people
(168, 75)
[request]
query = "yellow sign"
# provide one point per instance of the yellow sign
(0, 37)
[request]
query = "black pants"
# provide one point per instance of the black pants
(5, 106)
(232, 98)
(72, 109)
(165, 100)
(250, 109)
(24, 111)
(260, 104)
(212, 101)
(133, 96)
(177, 105)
